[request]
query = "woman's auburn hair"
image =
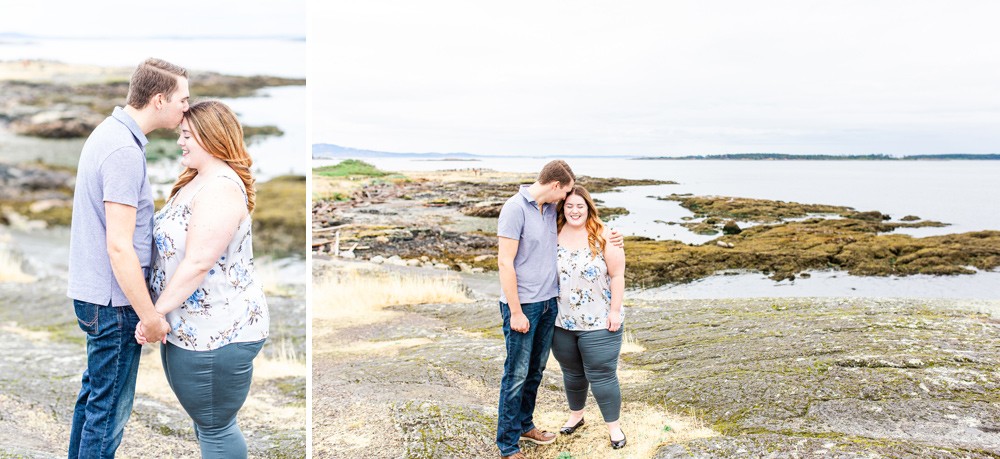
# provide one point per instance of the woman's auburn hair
(215, 128)
(594, 225)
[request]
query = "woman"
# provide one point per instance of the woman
(203, 279)
(588, 334)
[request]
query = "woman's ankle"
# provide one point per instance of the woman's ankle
(574, 417)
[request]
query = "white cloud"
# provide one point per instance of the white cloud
(656, 77)
(130, 18)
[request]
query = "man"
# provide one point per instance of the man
(529, 284)
(110, 250)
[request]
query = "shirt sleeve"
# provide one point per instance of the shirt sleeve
(511, 221)
(122, 173)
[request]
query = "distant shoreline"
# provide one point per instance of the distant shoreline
(333, 152)
(786, 157)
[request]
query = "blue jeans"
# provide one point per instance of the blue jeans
(212, 387)
(108, 387)
(522, 371)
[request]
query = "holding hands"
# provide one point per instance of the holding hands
(146, 333)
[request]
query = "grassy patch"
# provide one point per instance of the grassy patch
(63, 333)
(350, 168)
(355, 296)
(279, 220)
(294, 387)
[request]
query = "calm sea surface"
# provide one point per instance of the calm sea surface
(249, 56)
(961, 193)
(284, 107)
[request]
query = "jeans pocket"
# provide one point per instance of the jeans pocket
(86, 316)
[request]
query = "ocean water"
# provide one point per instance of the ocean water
(246, 56)
(960, 193)
(284, 107)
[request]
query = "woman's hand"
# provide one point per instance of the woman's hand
(614, 321)
(139, 336)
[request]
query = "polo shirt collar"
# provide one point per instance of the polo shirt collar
(527, 195)
(123, 117)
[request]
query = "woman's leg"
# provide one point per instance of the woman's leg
(564, 348)
(599, 350)
(212, 387)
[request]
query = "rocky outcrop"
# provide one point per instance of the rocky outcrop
(48, 104)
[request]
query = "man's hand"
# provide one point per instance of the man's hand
(519, 322)
(616, 239)
(156, 331)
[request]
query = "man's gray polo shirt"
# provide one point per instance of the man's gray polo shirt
(535, 263)
(112, 169)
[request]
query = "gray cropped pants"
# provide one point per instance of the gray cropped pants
(212, 387)
(590, 358)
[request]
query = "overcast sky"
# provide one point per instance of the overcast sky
(135, 18)
(656, 77)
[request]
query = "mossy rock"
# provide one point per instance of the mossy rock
(756, 210)
(785, 250)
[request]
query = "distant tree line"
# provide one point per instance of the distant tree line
(788, 157)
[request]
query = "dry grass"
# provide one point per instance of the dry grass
(335, 188)
(646, 427)
(629, 344)
(357, 298)
(11, 264)
(381, 347)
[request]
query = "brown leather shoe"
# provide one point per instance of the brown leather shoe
(517, 455)
(538, 437)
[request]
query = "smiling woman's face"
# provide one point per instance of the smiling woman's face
(575, 210)
(192, 154)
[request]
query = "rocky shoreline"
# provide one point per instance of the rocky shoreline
(35, 196)
(53, 100)
(762, 377)
(448, 220)
(44, 355)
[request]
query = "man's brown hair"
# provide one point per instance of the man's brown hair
(556, 171)
(152, 77)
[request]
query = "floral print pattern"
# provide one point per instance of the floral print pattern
(584, 290)
(229, 306)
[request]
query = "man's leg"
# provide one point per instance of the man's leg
(86, 318)
(112, 367)
(543, 319)
(515, 370)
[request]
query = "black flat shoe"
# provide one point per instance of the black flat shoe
(569, 430)
(618, 444)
